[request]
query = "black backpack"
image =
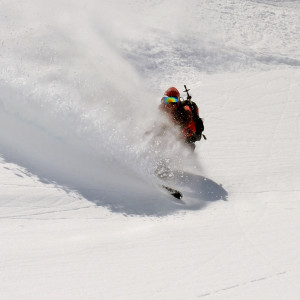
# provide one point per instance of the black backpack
(198, 121)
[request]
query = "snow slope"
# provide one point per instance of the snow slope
(82, 215)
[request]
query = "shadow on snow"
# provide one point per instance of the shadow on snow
(135, 196)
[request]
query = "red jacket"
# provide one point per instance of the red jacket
(182, 117)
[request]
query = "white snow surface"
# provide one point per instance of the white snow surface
(82, 215)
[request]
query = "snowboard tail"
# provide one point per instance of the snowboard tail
(175, 193)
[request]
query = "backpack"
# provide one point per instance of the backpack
(198, 121)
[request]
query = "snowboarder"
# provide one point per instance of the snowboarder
(185, 114)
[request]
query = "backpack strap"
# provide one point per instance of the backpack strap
(193, 106)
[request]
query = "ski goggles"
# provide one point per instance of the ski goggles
(170, 100)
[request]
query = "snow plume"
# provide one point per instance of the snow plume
(73, 110)
(80, 85)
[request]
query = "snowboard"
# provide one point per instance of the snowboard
(175, 193)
